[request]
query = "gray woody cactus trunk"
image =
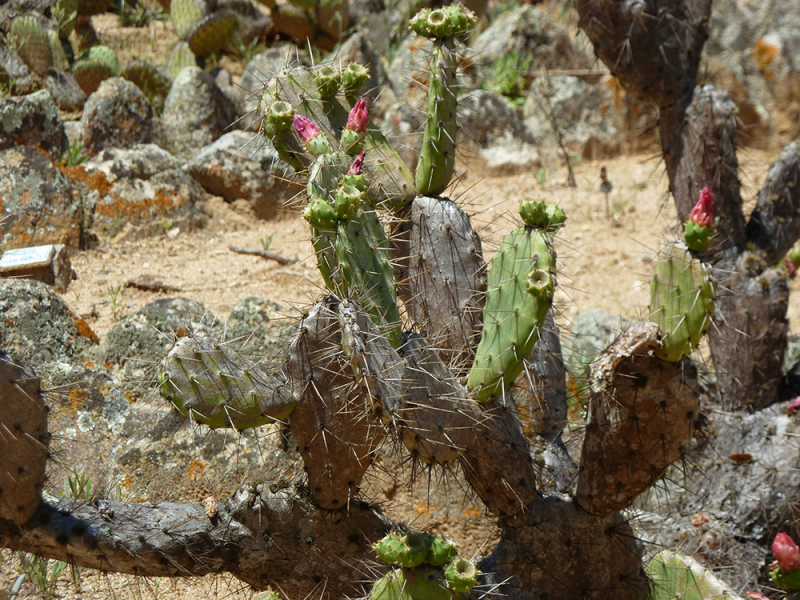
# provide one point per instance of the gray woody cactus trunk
(654, 47)
(452, 383)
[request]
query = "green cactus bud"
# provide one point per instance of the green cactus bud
(556, 217)
(357, 181)
(682, 296)
(461, 575)
(697, 236)
(441, 551)
(520, 291)
(415, 549)
(390, 548)
(354, 76)
(443, 23)
(320, 214)
(279, 115)
(328, 81)
(318, 145)
(533, 213)
(30, 41)
(348, 201)
(352, 141)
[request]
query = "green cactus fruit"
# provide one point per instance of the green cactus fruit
(461, 575)
(443, 23)
(437, 159)
(789, 582)
(95, 66)
(185, 15)
(357, 181)
(320, 214)
(408, 550)
(351, 141)
(212, 33)
(520, 292)
(208, 382)
(354, 76)
(390, 548)
(537, 213)
(348, 201)
(180, 58)
(279, 115)
(682, 296)
(673, 575)
(328, 81)
(318, 146)
(31, 42)
(697, 236)
(60, 61)
(442, 551)
(65, 12)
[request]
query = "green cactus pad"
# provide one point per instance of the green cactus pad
(354, 76)
(789, 582)
(180, 58)
(442, 23)
(95, 66)
(437, 159)
(682, 296)
(185, 15)
(520, 287)
(60, 61)
(442, 551)
(65, 12)
(673, 575)
(30, 41)
(211, 384)
(328, 80)
(148, 79)
(697, 236)
(461, 575)
(212, 33)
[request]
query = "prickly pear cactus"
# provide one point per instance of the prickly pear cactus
(30, 41)
(95, 66)
(520, 291)
(180, 58)
(211, 384)
(185, 15)
(682, 296)
(212, 33)
(673, 575)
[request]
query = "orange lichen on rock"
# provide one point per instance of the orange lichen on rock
(195, 470)
(84, 330)
(77, 397)
(764, 54)
(97, 180)
(160, 204)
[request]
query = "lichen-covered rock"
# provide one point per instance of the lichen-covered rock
(260, 328)
(65, 91)
(592, 331)
(117, 115)
(584, 114)
(38, 325)
(240, 165)
(32, 120)
(408, 71)
(142, 189)
(196, 112)
(38, 205)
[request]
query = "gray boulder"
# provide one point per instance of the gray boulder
(242, 165)
(65, 91)
(32, 120)
(117, 115)
(39, 204)
(196, 112)
(592, 332)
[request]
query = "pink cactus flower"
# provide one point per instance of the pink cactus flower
(790, 267)
(786, 553)
(703, 211)
(357, 165)
(305, 128)
(359, 117)
(794, 406)
(756, 596)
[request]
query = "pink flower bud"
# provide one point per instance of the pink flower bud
(358, 164)
(786, 553)
(359, 117)
(756, 596)
(790, 268)
(794, 406)
(703, 211)
(305, 128)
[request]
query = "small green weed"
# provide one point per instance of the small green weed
(78, 486)
(42, 572)
(115, 293)
(75, 154)
(267, 241)
(507, 75)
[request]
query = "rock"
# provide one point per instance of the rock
(408, 72)
(73, 130)
(261, 68)
(117, 115)
(32, 120)
(15, 74)
(583, 113)
(38, 204)
(65, 91)
(260, 328)
(402, 126)
(49, 264)
(359, 49)
(592, 332)
(529, 31)
(241, 165)
(142, 189)
(196, 113)
(234, 92)
(38, 325)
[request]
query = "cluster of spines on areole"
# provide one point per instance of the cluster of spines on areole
(425, 567)
(520, 292)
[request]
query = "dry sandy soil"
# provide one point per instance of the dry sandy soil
(604, 264)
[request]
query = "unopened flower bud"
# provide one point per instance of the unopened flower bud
(786, 553)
